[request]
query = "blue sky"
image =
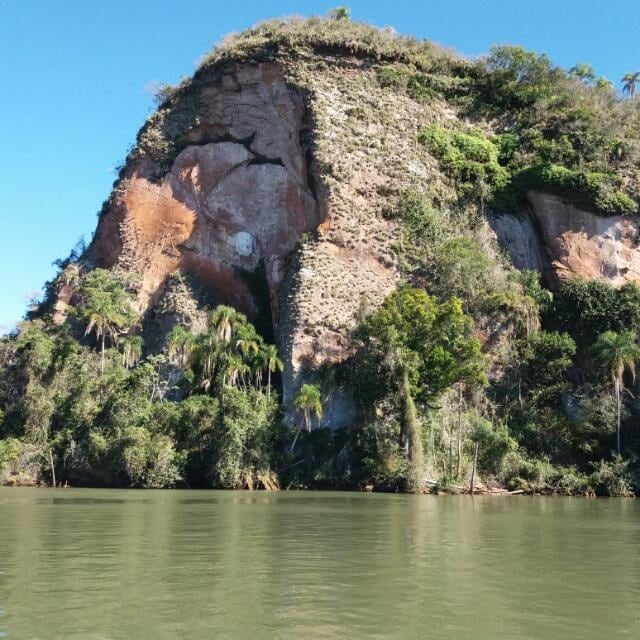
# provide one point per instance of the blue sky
(74, 74)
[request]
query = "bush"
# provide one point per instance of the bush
(613, 478)
(587, 308)
(151, 460)
(568, 481)
(494, 443)
(469, 157)
(520, 472)
(594, 190)
(531, 474)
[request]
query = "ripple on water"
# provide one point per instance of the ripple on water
(111, 564)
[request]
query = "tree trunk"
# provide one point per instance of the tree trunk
(53, 470)
(412, 428)
(618, 403)
(519, 385)
(268, 383)
(295, 439)
(102, 355)
(459, 462)
(473, 470)
(450, 456)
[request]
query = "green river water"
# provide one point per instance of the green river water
(106, 564)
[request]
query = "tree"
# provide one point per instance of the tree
(340, 13)
(630, 80)
(587, 308)
(180, 343)
(433, 341)
(131, 349)
(618, 352)
(309, 401)
(248, 341)
(519, 78)
(225, 320)
(604, 83)
(412, 350)
(234, 370)
(106, 308)
(272, 362)
(583, 71)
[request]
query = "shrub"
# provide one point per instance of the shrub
(494, 443)
(587, 308)
(517, 78)
(520, 472)
(598, 191)
(613, 478)
(469, 157)
(151, 460)
(569, 481)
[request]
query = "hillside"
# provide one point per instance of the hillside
(411, 257)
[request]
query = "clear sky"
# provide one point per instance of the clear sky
(74, 73)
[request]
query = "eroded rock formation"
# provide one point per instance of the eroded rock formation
(233, 208)
(563, 241)
(270, 182)
(581, 243)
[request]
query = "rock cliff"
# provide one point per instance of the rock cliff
(268, 178)
(563, 241)
(244, 208)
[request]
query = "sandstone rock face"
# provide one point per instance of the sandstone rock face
(232, 206)
(580, 243)
(236, 195)
(519, 236)
(562, 241)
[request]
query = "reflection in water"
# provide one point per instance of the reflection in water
(158, 564)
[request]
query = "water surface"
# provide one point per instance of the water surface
(111, 564)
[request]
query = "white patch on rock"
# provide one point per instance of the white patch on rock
(244, 243)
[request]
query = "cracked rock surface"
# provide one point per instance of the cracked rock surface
(240, 191)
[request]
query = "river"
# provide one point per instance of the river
(110, 564)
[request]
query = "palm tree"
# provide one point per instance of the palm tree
(180, 343)
(309, 401)
(583, 71)
(273, 364)
(248, 341)
(234, 370)
(225, 320)
(630, 81)
(604, 83)
(131, 349)
(106, 308)
(209, 355)
(618, 352)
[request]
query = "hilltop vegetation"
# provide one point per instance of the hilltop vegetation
(470, 372)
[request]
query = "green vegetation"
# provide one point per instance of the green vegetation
(566, 133)
(107, 310)
(629, 82)
(309, 402)
(469, 375)
(470, 158)
(618, 352)
(196, 414)
(413, 350)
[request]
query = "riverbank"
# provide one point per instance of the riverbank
(431, 488)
